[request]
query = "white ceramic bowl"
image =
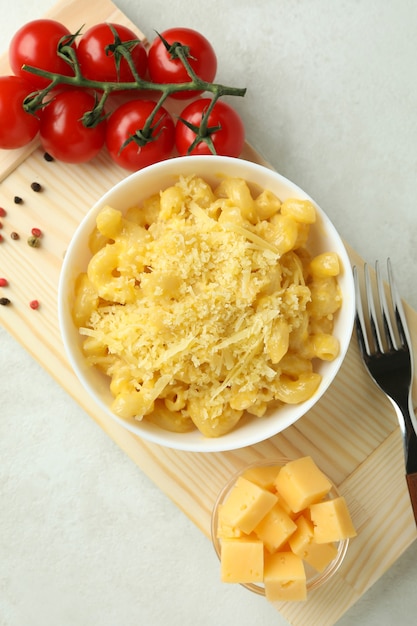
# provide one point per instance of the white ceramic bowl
(132, 190)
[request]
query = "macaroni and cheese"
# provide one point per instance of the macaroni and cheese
(204, 303)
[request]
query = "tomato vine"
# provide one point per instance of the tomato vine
(179, 64)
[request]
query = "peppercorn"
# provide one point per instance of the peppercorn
(3, 282)
(33, 241)
(36, 232)
(18, 200)
(34, 304)
(48, 157)
(14, 235)
(2, 212)
(1, 238)
(4, 301)
(36, 186)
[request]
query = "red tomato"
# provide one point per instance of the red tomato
(63, 133)
(36, 44)
(98, 60)
(17, 128)
(165, 68)
(128, 121)
(225, 129)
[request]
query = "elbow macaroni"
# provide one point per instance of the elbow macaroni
(203, 304)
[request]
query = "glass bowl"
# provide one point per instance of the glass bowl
(314, 579)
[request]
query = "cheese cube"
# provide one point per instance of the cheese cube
(301, 483)
(275, 528)
(284, 577)
(263, 476)
(224, 529)
(246, 505)
(242, 560)
(302, 543)
(332, 521)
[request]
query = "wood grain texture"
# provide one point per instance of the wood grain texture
(352, 432)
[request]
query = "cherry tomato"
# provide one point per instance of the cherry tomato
(129, 120)
(62, 131)
(36, 44)
(225, 129)
(164, 68)
(98, 60)
(17, 128)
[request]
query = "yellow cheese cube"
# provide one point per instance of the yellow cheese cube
(301, 483)
(224, 529)
(242, 560)
(284, 577)
(302, 543)
(263, 476)
(332, 521)
(246, 505)
(275, 528)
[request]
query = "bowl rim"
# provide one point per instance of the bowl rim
(317, 579)
(197, 442)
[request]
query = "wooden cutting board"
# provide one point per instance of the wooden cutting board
(352, 432)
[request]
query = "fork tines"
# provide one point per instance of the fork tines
(381, 310)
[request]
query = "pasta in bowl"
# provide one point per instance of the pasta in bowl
(206, 303)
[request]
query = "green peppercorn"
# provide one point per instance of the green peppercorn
(34, 242)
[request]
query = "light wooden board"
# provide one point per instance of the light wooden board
(352, 432)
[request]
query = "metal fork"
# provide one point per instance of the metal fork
(384, 343)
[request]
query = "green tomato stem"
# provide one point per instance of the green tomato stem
(38, 100)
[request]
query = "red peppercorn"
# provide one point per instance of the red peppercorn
(3, 282)
(1, 238)
(2, 212)
(36, 232)
(34, 304)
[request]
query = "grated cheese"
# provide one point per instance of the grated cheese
(205, 302)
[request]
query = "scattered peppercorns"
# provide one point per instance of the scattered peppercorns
(14, 235)
(36, 186)
(34, 304)
(18, 200)
(4, 301)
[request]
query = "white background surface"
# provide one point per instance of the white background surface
(85, 537)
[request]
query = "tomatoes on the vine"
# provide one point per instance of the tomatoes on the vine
(36, 44)
(225, 131)
(17, 127)
(63, 133)
(100, 60)
(130, 143)
(165, 67)
(67, 106)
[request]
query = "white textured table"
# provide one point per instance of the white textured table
(85, 537)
